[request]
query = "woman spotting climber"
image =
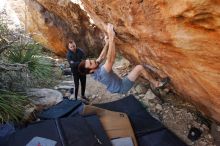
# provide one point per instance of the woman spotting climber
(104, 73)
(75, 56)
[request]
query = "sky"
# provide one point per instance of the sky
(2, 4)
(10, 13)
(13, 17)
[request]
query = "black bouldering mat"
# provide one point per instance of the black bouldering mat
(62, 109)
(96, 126)
(163, 137)
(141, 120)
(72, 131)
(148, 130)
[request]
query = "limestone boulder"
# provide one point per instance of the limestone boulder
(44, 97)
(179, 37)
(53, 23)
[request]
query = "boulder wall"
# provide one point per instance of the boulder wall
(179, 37)
(53, 23)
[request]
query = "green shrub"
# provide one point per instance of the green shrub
(30, 54)
(11, 106)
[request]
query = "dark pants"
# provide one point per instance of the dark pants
(82, 79)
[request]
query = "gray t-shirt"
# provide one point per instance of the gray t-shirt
(112, 81)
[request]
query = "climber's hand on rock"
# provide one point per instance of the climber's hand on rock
(110, 30)
(105, 27)
(106, 39)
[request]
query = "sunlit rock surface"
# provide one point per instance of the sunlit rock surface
(53, 23)
(179, 37)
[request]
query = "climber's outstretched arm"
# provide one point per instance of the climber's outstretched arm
(103, 54)
(111, 50)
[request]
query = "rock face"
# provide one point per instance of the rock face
(181, 38)
(44, 97)
(53, 23)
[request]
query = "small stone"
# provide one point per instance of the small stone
(166, 90)
(120, 67)
(151, 104)
(38, 119)
(72, 97)
(67, 83)
(67, 94)
(65, 87)
(218, 128)
(133, 92)
(149, 95)
(138, 97)
(205, 127)
(195, 124)
(159, 107)
(141, 95)
(146, 102)
(178, 112)
(202, 143)
(93, 96)
(140, 89)
(209, 136)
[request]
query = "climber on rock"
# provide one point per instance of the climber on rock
(104, 73)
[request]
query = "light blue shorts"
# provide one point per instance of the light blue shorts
(126, 85)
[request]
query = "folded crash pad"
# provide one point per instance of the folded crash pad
(77, 131)
(163, 137)
(115, 124)
(141, 120)
(148, 130)
(62, 109)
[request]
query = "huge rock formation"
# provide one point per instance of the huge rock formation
(53, 23)
(179, 37)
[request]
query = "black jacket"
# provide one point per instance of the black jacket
(76, 58)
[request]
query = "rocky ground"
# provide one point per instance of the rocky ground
(175, 114)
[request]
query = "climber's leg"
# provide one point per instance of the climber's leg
(128, 81)
(155, 70)
(164, 78)
(135, 73)
(138, 70)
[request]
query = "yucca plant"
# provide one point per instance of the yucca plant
(11, 106)
(30, 54)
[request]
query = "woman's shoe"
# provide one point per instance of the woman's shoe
(83, 97)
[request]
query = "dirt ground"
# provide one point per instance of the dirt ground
(175, 114)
